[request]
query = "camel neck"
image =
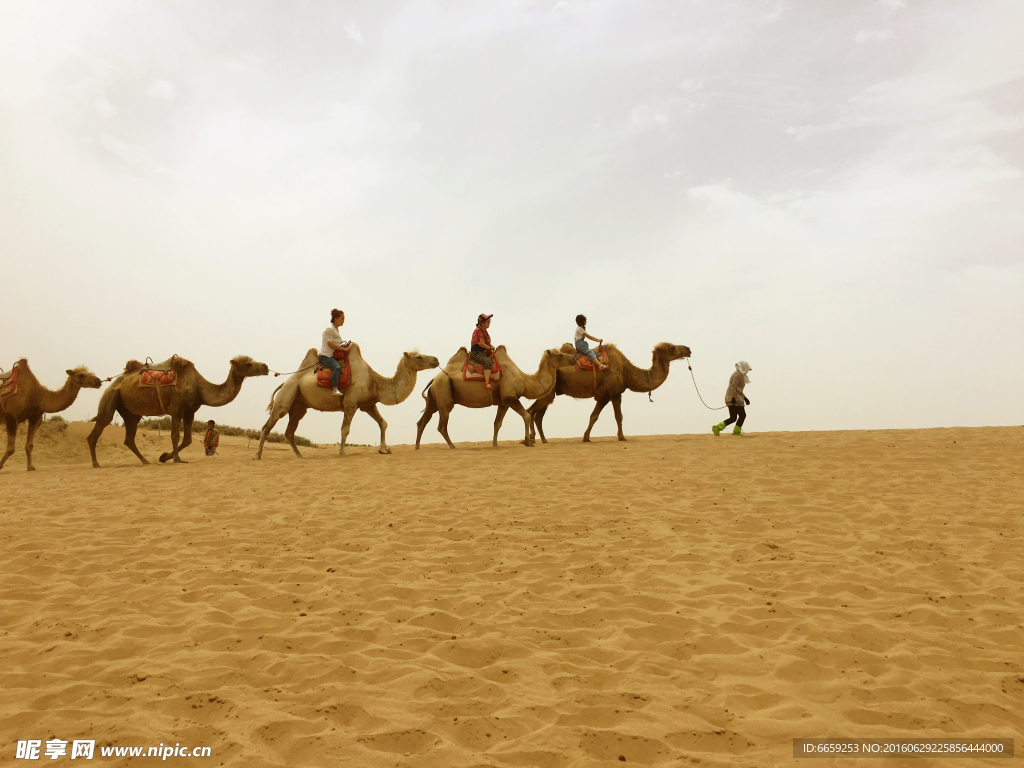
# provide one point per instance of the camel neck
(646, 379)
(55, 401)
(540, 383)
(215, 395)
(396, 389)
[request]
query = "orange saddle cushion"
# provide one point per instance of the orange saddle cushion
(475, 372)
(323, 377)
(151, 378)
(584, 363)
(10, 385)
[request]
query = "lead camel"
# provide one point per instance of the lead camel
(607, 386)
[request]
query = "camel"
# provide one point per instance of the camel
(608, 386)
(449, 389)
(366, 389)
(127, 396)
(32, 400)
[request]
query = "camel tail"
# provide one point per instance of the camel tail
(271, 406)
(424, 393)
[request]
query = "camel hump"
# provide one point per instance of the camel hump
(133, 365)
(179, 363)
(459, 358)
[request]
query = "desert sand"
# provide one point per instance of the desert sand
(672, 600)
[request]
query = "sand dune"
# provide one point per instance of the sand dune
(673, 600)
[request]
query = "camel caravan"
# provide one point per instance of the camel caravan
(336, 378)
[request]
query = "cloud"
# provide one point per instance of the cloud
(162, 89)
(874, 36)
(352, 30)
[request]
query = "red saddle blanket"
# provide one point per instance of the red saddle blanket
(9, 386)
(475, 372)
(583, 363)
(151, 378)
(323, 377)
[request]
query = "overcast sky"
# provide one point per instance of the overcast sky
(831, 191)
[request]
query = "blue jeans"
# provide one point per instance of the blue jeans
(584, 349)
(335, 366)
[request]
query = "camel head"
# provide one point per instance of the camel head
(246, 366)
(559, 358)
(420, 362)
(670, 352)
(83, 378)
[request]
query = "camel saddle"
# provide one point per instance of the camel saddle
(475, 372)
(583, 363)
(9, 383)
(323, 375)
(156, 377)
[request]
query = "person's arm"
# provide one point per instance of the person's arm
(594, 338)
(337, 345)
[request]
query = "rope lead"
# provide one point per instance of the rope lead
(719, 408)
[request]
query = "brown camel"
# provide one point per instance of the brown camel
(608, 386)
(449, 389)
(367, 388)
(32, 400)
(127, 396)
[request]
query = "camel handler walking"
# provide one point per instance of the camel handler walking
(212, 439)
(735, 399)
(482, 351)
(329, 345)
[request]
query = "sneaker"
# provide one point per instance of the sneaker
(717, 428)
(602, 367)
(336, 392)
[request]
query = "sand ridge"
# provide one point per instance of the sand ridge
(672, 600)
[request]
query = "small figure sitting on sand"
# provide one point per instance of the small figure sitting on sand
(735, 399)
(481, 351)
(581, 342)
(212, 439)
(331, 343)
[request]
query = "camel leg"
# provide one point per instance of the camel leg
(500, 417)
(428, 412)
(186, 436)
(294, 417)
(617, 407)
(527, 420)
(278, 408)
(33, 425)
(175, 434)
(346, 425)
(12, 433)
(442, 425)
(109, 404)
(601, 403)
(131, 428)
(537, 411)
(375, 415)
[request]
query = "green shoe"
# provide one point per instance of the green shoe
(737, 431)
(717, 428)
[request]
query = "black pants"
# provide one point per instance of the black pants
(738, 414)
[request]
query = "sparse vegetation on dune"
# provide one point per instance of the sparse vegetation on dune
(199, 428)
